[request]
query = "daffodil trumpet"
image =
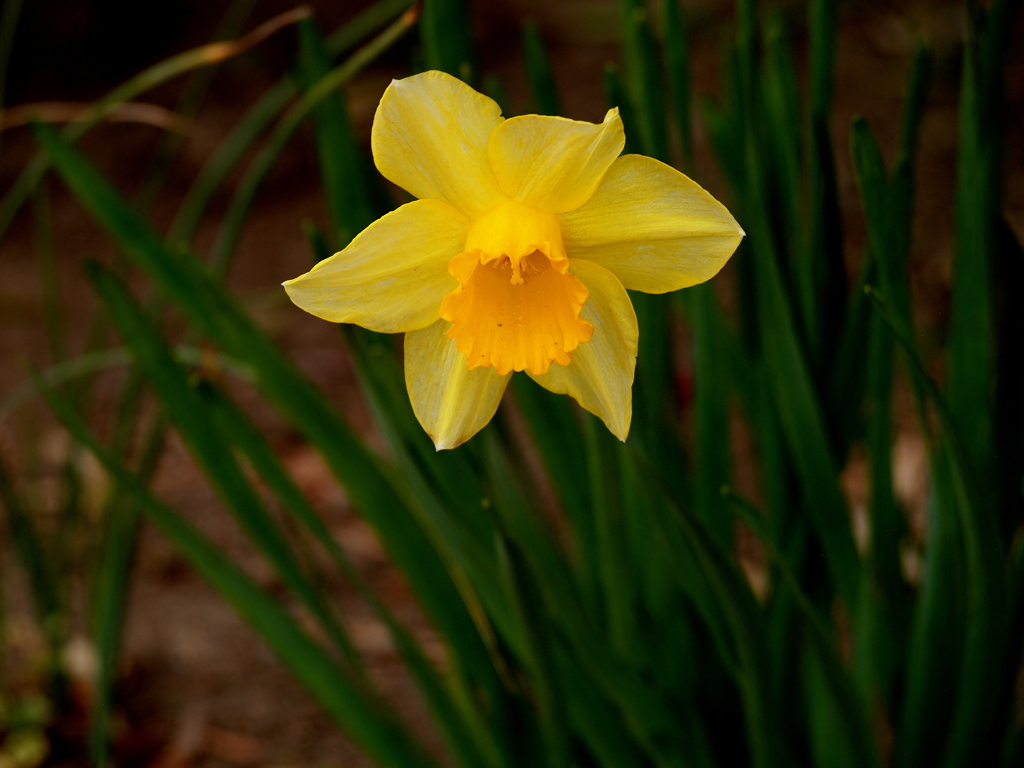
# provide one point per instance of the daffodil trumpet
(516, 254)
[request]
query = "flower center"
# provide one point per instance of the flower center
(516, 307)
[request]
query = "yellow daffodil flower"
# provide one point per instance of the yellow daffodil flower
(516, 256)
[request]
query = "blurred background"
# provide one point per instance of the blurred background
(195, 686)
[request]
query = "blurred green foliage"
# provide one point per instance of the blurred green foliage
(615, 624)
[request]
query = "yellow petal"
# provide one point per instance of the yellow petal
(430, 137)
(655, 228)
(552, 163)
(392, 276)
(600, 376)
(451, 402)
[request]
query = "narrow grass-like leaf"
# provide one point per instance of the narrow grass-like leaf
(364, 24)
(520, 518)
(452, 474)
(647, 580)
(218, 316)
(461, 725)
(800, 415)
(341, 162)
(823, 26)
(541, 563)
(261, 114)
(730, 128)
(888, 208)
(771, 329)
(261, 165)
(936, 639)
(887, 527)
(914, 103)
(830, 745)
(31, 540)
(843, 730)
(119, 518)
(677, 65)
(847, 382)
(873, 185)
(745, 52)
(446, 28)
(599, 724)
(644, 73)
(187, 106)
(110, 592)
(758, 523)
(142, 82)
(615, 95)
(538, 71)
(979, 670)
(555, 428)
(118, 545)
(710, 411)
(725, 140)
(452, 521)
(671, 577)
(319, 249)
(609, 500)
(644, 710)
(364, 719)
(659, 631)
(537, 653)
(494, 88)
(972, 350)
(189, 415)
(784, 137)
(113, 357)
(745, 623)
(822, 289)
(247, 440)
(28, 545)
(225, 157)
(445, 494)
(655, 412)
